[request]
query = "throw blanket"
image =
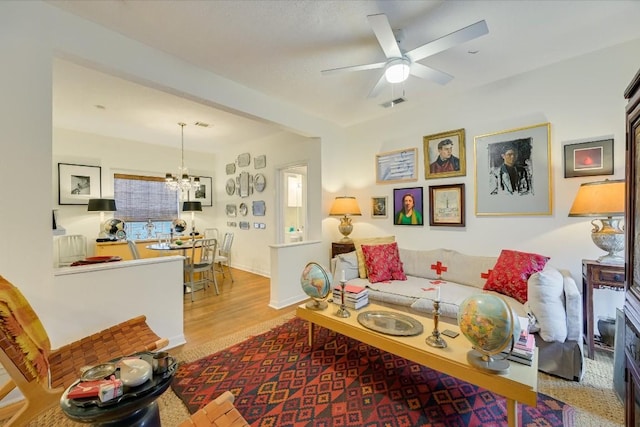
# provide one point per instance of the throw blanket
(21, 328)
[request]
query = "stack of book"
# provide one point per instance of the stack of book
(354, 296)
(523, 349)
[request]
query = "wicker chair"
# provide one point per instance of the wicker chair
(219, 413)
(42, 374)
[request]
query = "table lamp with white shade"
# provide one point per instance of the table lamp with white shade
(604, 200)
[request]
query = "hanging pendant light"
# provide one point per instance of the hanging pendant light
(182, 180)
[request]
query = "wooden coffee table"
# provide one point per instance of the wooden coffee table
(519, 385)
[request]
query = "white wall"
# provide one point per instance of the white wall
(31, 34)
(119, 156)
(582, 99)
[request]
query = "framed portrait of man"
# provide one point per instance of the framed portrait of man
(407, 206)
(513, 172)
(444, 154)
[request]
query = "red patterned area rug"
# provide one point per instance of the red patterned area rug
(278, 380)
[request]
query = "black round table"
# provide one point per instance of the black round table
(137, 407)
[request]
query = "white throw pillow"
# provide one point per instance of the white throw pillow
(349, 264)
(545, 290)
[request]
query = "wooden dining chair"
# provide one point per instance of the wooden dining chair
(42, 374)
(220, 412)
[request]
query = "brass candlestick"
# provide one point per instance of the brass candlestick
(342, 311)
(435, 340)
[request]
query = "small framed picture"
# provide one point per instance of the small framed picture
(444, 154)
(204, 193)
(407, 206)
(446, 205)
(588, 158)
(397, 166)
(379, 207)
(78, 183)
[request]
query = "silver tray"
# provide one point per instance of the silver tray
(390, 323)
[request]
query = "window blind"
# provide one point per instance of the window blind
(140, 198)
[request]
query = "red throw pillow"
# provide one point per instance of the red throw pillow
(383, 262)
(511, 272)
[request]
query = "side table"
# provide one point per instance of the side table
(136, 408)
(597, 276)
(338, 248)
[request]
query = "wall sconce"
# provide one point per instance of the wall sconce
(344, 206)
(603, 199)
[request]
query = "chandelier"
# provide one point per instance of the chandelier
(182, 181)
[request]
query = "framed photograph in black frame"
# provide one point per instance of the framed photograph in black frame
(407, 206)
(446, 205)
(588, 158)
(204, 194)
(78, 183)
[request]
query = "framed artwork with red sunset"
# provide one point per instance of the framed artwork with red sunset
(588, 158)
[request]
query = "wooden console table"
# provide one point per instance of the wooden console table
(597, 276)
(338, 248)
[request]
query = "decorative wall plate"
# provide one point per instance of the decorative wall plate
(260, 162)
(258, 208)
(231, 186)
(243, 184)
(231, 210)
(231, 168)
(243, 209)
(244, 225)
(244, 159)
(259, 182)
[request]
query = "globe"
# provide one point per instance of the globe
(316, 283)
(489, 324)
(179, 225)
(112, 226)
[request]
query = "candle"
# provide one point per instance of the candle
(438, 294)
(343, 277)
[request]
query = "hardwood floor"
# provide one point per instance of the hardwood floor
(241, 304)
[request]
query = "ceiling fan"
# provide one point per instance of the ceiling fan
(400, 64)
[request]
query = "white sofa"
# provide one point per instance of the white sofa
(554, 305)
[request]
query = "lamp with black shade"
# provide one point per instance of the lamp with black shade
(605, 200)
(102, 206)
(345, 206)
(192, 207)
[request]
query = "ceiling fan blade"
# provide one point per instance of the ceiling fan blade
(354, 68)
(375, 91)
(429, 73)
(382, 29)
(450, 40)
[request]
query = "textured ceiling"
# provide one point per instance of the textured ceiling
(280, 47)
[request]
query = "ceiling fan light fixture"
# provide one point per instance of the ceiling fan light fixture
(397, 70)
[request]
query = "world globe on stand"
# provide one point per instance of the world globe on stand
(316, 283)
(488, 322)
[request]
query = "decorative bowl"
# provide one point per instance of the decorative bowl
(134, 372)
